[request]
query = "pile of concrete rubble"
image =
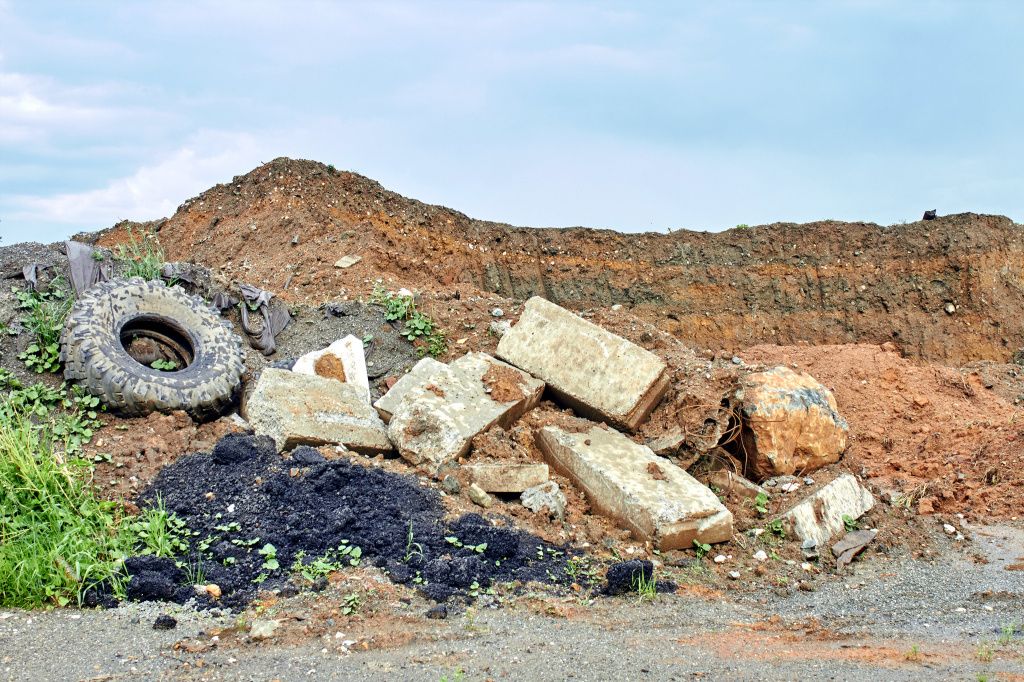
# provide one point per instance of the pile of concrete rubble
(787, 423)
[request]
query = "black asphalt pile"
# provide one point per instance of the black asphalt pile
(313, 514)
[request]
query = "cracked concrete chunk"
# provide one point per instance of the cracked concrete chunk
(648, 494)
(418, 376)
(343, 360)
(545, 497)
(820, 516)
(302, 409)
(790, 423)
(437, 416)
(593, 371)
(507, 477)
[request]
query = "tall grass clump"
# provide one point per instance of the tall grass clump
(141, 257)
(57, 539)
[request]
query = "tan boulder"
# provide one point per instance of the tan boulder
(791, 424)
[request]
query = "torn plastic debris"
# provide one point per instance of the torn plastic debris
(84, 270)
(275, 318)
(31, 273)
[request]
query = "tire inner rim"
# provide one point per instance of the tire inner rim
(150, 338)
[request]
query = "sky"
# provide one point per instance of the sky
(637, 116)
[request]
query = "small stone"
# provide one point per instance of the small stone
(617, 306)
(720, 559)
(347, 261)
(545, 497)
(806, 566)
(760, 555)
(809, 547)
(213, 590)
(439, 612)
(736, 360)
(295, 240)
(948, 528)
(263, 629)
(756, 532)
(499, 328)
(790, 487)
(479, 496)
(450, 485)
(808, 480)
(165, 622)
(497, 312)
(949, 308)
(735, 575)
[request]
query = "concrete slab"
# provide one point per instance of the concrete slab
(650, 495)
(301, 409)
(820, 516)
(418, 376)
(435, 422)
(344, 360)
(729, 482)
(598, 374)
(507, 477)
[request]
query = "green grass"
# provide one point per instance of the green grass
(56, 538)
(44, 313)
(159, 532)
(645, 588)
(142, 257)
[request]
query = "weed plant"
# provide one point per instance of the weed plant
(141, 257)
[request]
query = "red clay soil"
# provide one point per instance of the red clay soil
(283, 225)
(933, 434)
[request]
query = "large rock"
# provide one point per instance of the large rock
(301, 409)
(436, 419)
(593, 371)
(791, 423)
(344, 360)
(820, 516)
(648, 494)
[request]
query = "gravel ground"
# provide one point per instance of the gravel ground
(897, 620)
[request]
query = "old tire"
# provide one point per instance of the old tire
(116, 326)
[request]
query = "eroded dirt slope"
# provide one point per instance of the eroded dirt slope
(284, 224)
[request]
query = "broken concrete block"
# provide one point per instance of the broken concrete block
(729, 482)
(648, 494)
(343, 360)
(546, 496)
(668, 444)
(507, 477)
(435, 422)
(591, 370)
(418, 376)
(790, 423)
(301, 409)
(820, 516)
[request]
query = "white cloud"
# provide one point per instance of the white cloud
(152, 191)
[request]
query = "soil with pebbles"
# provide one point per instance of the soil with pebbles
(243, 496)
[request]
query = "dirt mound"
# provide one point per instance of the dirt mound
(243, 497)
(947, 289)
(934, 436)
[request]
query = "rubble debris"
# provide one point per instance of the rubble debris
(439, 612)
(275, 318)
(596, 373)
(852, 544)
(165, 622)
(612, 471)
(820, 516)
(301, 409)
(790, 423)
(479, 496)
(327, 505)
(263, 629)
(498, 328)
(343, 360)
(731, 482)
(347, 261)
(420, 375)
(507, 477)
(435, 422)
(668, 444)
(545, 497)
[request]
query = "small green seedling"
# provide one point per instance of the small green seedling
(701, 548)
(269, 553)
(164, 365)
(761, 503)
(849, 523)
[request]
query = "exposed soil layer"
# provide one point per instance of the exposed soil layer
(935, 435)
(947, 289)
(243, 496)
